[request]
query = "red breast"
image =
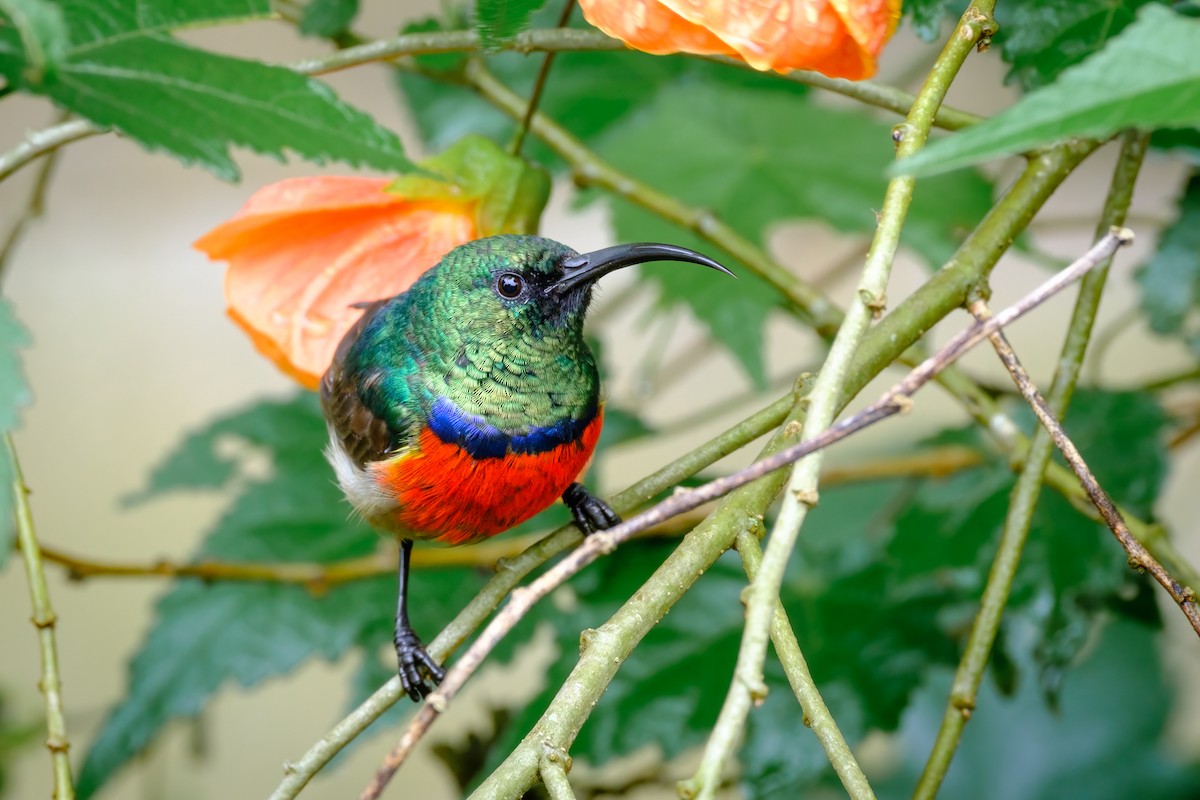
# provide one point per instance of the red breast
(446, 494)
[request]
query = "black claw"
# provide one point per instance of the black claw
(590, 512)
(419, 673)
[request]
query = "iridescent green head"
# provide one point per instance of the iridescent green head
(512, 282)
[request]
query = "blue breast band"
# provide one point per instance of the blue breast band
(483, 440)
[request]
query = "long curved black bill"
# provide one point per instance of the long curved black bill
(587, 267)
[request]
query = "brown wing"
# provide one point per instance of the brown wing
(365, 436)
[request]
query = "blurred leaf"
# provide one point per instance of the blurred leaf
(511, 193)
(38, 30)
(622, 426)
(1041, 38)
(328, 17)
(760, 157)
(734, 313)
(500, 20)
(92, 21)
(14, 395)
(205, 635)
(927, 15)
(1103, 744)
(1148, 77)
(1170, 282)
(122, 69)
(1180, 141)
(441, 62)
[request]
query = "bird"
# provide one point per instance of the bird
(469, 402)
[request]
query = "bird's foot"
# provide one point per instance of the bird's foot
(590, 512)
(419, 673)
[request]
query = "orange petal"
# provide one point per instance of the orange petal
(840, 38)
(651, 27)
(303, 252)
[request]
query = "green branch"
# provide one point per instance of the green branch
(39, 143)
(603, 650)
(827, 399)
(47, 140)
(1025, 493)
(816, 713)
(44, 619)
(509, 573)
(567, 40)
(34, 207)
(967, 271)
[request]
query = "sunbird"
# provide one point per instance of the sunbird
(470, 402)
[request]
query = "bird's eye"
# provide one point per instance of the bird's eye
(510, 285)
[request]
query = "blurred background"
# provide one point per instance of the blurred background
(131, 348)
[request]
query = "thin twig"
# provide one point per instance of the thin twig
(35, 206)
(816, 713)
(319, 578)
(825, 401)
(1139, 557)
(1027, 489)
(1006, 433)
(509, 573)
(579, 40)
(39, 143)
(539, 84)
(553, 769)
(44, 619)
(895, 400)
(47, 140)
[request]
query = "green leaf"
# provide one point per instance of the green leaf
(511, 192)
(206, 635)
(927, 15)
(1101, 744)
(1170, 282)
(328, 17)
(734, 313)
(121, 69)
(14, 394)
(500, 20)
(194, 104)
(1148, 77)
(759, 157)
(1041, 38)
(38, 30)
(780, 158)
(95, 21)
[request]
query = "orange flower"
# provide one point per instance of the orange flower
(305, 253)
(840, 38)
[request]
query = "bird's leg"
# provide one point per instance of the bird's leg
(590, 512)
(419, 673)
